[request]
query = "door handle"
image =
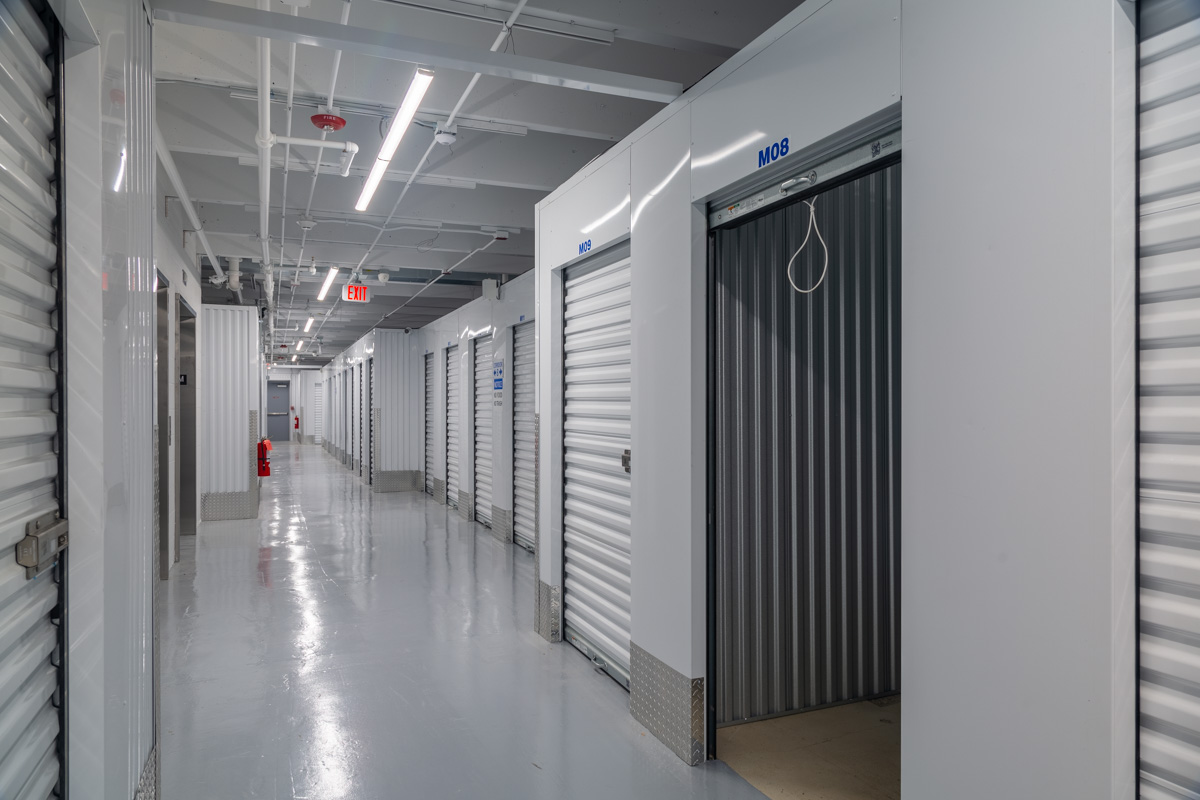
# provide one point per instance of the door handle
(625, 459)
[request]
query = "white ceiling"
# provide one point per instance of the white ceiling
(517, 141)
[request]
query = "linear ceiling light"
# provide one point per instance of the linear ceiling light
(404, 117)
(333, 271)
(294, 357)
(300, 345)
(308, 325)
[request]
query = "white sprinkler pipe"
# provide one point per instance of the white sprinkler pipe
(168, 162)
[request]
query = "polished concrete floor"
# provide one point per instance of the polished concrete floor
(848, 752)
(357, 645)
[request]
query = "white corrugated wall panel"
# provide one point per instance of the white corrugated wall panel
(597, 528)
(524, 378)
(452, 425)
(483, 429)
(229, 359)
(1169, 510)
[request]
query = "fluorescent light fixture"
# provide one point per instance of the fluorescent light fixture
(300, 345)
(328, 282)
(308, 325)
(120, 173)
(404, 117)
(294, 357)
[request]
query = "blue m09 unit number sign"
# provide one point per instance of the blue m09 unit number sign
(585, 246)
(774, 152)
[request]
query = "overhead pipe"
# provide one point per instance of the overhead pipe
(505, 30)
(443, 274)
(263, 139)
(168, 162)
(333, 76)
(287, 148)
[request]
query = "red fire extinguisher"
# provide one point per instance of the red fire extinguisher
(264, 462)
(297, 426)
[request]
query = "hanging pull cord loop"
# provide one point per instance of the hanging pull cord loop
(812, 226)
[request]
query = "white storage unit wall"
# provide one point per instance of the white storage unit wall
(524, 377)
(483, 382)
(827, 76)
(373, 394)
(476, 321)
(230, 369)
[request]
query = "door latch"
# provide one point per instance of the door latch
(625, 457)
(45, 538)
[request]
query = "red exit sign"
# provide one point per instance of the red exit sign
(353, 293)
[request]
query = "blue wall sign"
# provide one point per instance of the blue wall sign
(585, 246)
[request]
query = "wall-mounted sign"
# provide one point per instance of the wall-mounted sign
(353, 293)
(774, 152)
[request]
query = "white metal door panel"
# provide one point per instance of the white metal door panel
(1169, 448)
(318, 412)
(452, 426)
(597, 530)
(29, 722)
(524, 472)
(483, 429)
(430, 438)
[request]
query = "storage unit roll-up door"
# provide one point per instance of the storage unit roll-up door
(524, 474)
(596, 488)
(452, 426)
(29, 722)
(430, 438)
(483, 429)
(318, 412)
(1169, 502)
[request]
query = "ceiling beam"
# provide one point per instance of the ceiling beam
(398, 47)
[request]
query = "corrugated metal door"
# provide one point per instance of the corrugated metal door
(29, 645)
(370, 456)
(524, 474)
(483, 429)
(452, 426)
(318, 412)
(596, 436)
(360, 432)
(430, 438)
(1169, 502)
(804, 452)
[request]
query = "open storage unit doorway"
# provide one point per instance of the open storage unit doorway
(804, 379)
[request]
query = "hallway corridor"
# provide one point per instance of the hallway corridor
(357, 645)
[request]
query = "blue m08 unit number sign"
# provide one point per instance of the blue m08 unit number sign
(774, 152)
